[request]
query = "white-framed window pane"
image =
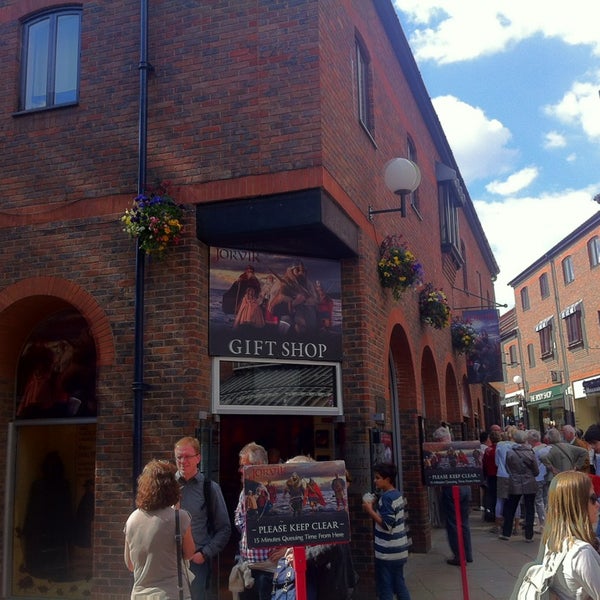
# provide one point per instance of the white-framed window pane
(276, 387)
(594, 251)
(67, 59)
(36, 85)
(568, 272)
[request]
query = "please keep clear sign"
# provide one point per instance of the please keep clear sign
(296, 504)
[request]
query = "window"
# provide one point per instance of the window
(449, 203)
(594, 251)
(50, 61)
(531, 355)
(567, 269)
(412, 155)
(544, 286)
(363, 84)
(525, 298)
(544, 329)
(572, 318)
(512, 355)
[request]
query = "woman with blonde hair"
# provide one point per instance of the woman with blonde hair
(570, 528)
(151, 551)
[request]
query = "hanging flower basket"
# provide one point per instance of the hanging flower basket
(433, 307)
(464, 336)
(155, 219)
(398, 267)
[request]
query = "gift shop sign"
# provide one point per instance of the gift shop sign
(296, 504)
(270, 306)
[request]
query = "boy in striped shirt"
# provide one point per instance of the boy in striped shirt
(391, 542)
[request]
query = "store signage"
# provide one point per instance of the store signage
(296, 504)
(545, 395)
(269, 306)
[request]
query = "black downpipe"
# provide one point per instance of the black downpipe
(140, 262)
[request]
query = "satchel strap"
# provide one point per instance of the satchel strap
(179, 554)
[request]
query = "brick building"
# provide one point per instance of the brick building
(551, 338)
(273, 122)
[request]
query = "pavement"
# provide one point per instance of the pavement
(491, 576)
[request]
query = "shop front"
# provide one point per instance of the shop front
(512, 408)
(546, 408)
(586, 397)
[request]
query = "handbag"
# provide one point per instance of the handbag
(284, 581)
(537, 580)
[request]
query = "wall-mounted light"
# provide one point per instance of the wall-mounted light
(401, 176)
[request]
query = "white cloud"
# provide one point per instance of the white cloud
(479, 143)
(513, 184)
(455, 30)
(580, 106)
(521, 230)
(553, 139)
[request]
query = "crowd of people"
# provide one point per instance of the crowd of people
(527, 477)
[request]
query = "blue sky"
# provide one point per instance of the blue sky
(516, 86)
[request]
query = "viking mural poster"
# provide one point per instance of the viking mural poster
(268, 306)
(296, 504)
(452, 463)
(484, 360)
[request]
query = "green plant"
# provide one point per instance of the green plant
(398, 267)
(155, 220)
(433, 307)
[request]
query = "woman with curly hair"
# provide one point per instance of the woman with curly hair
(570, 528)
(150, 545)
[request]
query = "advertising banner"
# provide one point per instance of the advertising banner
(268, 306)
(484, 361)
(452, 463)
(296, 504)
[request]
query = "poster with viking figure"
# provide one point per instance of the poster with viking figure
(296, 504)
(270, 306)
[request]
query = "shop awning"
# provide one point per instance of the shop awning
(544, 323)
(571, 309)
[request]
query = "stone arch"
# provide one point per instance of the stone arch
(27, 302)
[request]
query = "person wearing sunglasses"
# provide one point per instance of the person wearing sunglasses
(570, 528)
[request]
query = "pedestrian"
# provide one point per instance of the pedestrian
(442, 434)
(261, 561)
(203, 499)
(522, 467)
(569, 535)
(390, 542)
(151, 551)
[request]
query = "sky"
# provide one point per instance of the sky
(515, 84)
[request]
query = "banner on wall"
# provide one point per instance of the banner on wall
(269, 306)
(452, 463)
(484, 361)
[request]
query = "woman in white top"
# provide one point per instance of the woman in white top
(570, 526)
(150, 547)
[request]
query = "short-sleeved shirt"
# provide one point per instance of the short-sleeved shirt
(391, 541)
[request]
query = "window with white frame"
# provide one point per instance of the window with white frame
(512, 355)
(530, 355)
(276, 387)
(572, 319)
(363, 85)
(449, 203)
(568, 271)
(544, 329)
(50, 59)
(594, 251)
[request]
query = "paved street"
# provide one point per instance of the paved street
(491, 576)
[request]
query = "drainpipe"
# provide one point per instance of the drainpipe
(140, 262)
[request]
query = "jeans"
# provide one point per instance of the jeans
(199, 587)
(389, 575)
(262, 588)
(451, 525)
(510, 506)
(540, 507)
